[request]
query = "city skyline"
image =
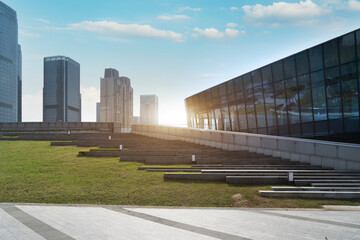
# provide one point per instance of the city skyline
(172, 50)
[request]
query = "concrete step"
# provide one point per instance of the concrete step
(194, 176)
(276, 171)
(311, 181)
(310, 194)
(72, 143)
(339, 189)
(157, 159)
(257, 180)
(335, 184)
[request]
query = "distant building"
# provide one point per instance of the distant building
(10, 66)
(116, 98)
(136, 120)
(148, 109)
(61, 93)
(98, 112)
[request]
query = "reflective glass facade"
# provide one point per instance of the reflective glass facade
(61, 93)
(10, 66)
(312, 93)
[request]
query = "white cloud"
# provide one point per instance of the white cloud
(304, 12)
(209, 75)
(133, 30)
(89, 97)
(173, 17)
(354, 5)
(28, 34)
(234, 8)
(32, 107)
(43, 20)
(181, 9)
(231, 25)
(214, 33)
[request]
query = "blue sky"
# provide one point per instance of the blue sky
(173, 49)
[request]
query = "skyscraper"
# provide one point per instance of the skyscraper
(61, 94)
(116, 98)
(148, 109)
(10, 66)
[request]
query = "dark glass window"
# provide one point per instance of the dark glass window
(331, 56)
(247, 81)
(230, 91)
(250, 110)
(302, 63)
(218, 119)
(350, 90)
(316, 58)
(289, 67)
(259, 105)
(292, 101)
(211, 120)
(222, 91)
(333, 94)
(239, 90)
(318, 95)
(278, 71)
(234, 118)
(347, 48)
(256, 77)
(266, 74)
(209, 98)
(358, 43)
(304, 89)
(215, 96)
(225, 117)
(280, 100)
(242, 116)
(270, 105)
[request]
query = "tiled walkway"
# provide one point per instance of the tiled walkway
(46, 221)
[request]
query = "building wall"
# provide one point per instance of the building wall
(61, 92)
(116, 98)
(10, 66)
(148, 109)
(312, 93)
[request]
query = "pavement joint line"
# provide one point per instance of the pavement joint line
(179, 225)
(35, 224)
(335, 223)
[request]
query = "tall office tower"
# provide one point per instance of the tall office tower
(148, 109)
(97, 112)
(61, 94)
(116, 98)
(10, 66)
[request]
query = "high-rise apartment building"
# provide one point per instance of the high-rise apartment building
(116, 98)
(61, 94)
(10, 66)
(148, 109)
(98, 112)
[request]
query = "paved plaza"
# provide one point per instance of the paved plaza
(49, 221)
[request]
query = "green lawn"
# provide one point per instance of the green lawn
(35, 172)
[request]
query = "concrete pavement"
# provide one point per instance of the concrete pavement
(50, 221)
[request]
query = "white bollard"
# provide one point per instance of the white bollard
(290, 176)
(193, 158)
(120, 147)
(69, 132)
(109, 138)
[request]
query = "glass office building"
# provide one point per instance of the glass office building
(61, 92)
(10, 66)
(311, 94)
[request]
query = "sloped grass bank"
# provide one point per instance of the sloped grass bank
(35, 172)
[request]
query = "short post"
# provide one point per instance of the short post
(109, 138)
(193, 158)
(69, 132)
(120, 147)
(290, 176)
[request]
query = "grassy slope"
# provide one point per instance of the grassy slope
(33, 171)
